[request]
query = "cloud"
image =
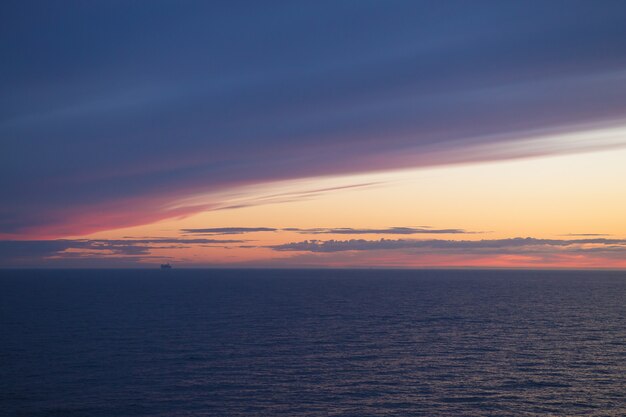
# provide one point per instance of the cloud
(385, 231)
(323, 230)
(513, 245)
(228, 230)
(153, 107)
(42, 252)
(587, 234)
(514, 252)
(408, 253)
(285, 197)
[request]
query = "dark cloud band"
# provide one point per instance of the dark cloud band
(157, 104)
(494, 246)
(326, 231)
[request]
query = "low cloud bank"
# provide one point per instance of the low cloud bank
(517, 244)
(327, 231)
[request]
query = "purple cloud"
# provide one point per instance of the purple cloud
(150, 106)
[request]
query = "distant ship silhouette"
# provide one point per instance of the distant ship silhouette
(166, 266)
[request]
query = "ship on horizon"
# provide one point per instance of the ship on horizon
(166, 266)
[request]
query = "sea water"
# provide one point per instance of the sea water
(312, 343)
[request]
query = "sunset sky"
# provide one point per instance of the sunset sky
(313, 134)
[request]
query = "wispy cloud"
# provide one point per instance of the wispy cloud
(228, 230)
(325, 231)
(243, 199)
(587, 234)
(35, 252)
(383, 231)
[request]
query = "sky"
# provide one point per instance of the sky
(394, 134)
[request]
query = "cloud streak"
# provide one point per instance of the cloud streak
(325, 231)
(588, 234)
(384, 231)
(228, 230)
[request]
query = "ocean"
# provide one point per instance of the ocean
(312, 343)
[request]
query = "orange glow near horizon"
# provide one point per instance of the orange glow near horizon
(559, 197)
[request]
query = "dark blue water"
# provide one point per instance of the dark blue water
(312, 343)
